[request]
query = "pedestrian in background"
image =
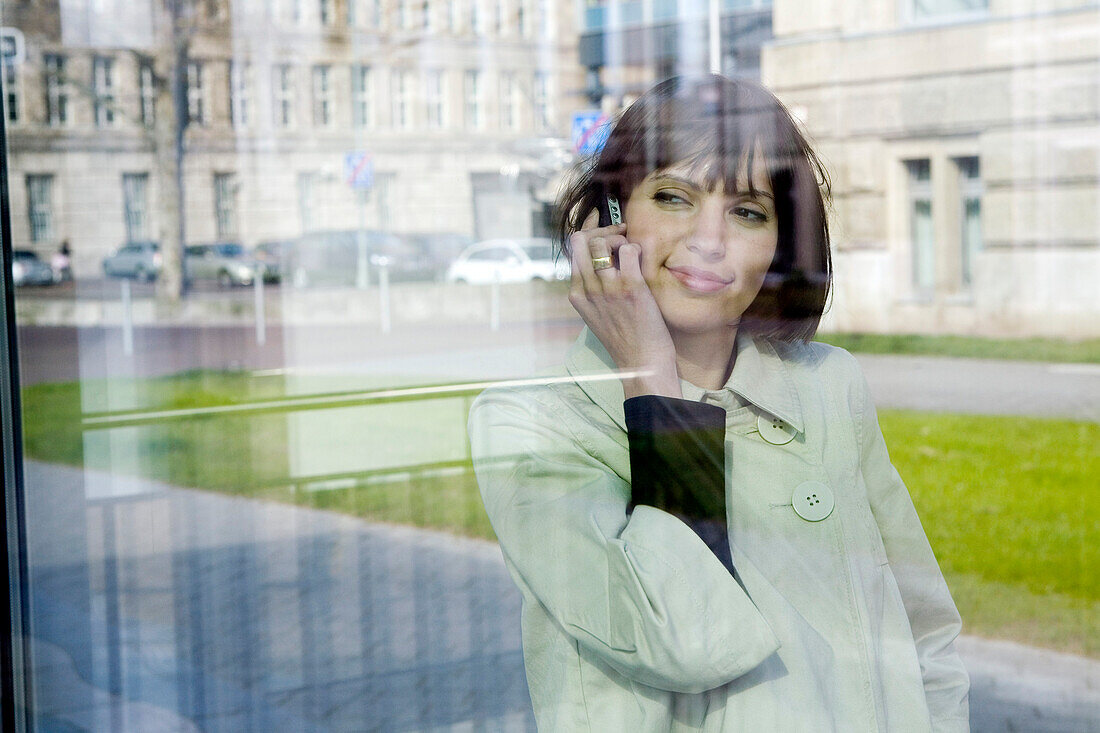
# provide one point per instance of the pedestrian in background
(61, 263)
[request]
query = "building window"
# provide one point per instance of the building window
(499, 17)
(322, 96)
(544, 115)
(509, 109)
(135, 201)
(970, 194)
(547, 22)
(40, 207)
(294, 11)
(283, 82)
(240, 93)
(937, 9)
(523, 23)
(407, 12)
(453, 20)
(148, 92)
(361, 96)
(922, 239)
(103, 90)
(57, 91)
(327, 12)
(471, 91)
(477, 16)
(11, 90)
(402, 99)
(435, 106)
(196, 93)
(225, 205)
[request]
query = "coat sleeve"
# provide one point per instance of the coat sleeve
(643, 592)
(933, 618)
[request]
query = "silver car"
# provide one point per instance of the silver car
(139, 260)
(508, 261)
(227, 262)
(28, 269)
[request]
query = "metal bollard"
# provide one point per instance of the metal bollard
(127, 320)
(261, 316)
(384, 294)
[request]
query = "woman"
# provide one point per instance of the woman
(702, 516)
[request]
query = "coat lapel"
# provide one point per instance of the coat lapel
(759, 376)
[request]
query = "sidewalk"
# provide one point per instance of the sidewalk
(164, 608)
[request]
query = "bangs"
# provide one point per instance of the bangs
(714, 133)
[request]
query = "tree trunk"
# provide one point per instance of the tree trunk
(169, 64)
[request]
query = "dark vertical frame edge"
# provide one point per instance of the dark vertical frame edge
(14, 681)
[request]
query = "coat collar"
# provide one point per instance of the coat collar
(759, 376)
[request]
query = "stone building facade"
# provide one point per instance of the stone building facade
(461, 106)
(963, 138)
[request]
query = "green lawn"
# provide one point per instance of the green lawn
(1027, 349)
(1008, 503)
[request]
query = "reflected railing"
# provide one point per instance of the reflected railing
(197, 610)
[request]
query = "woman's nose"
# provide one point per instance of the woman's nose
(707, 237)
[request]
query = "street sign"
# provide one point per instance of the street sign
(589, 131)
(12, 48)
(358, 169)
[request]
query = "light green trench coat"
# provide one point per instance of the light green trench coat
(843, 623)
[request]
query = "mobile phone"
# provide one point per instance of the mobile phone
(610, 212)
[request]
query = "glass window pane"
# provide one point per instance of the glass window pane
(276, 263)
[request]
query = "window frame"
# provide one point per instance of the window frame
(362, 108)
(195, 81)
(323, 97)
(226, 218)
(40, 207)
(435, 99)
(135, 218)
(283, 96)
(56, 89)
(103, 90)
(922, 254)
(13, 91)
(147, 92)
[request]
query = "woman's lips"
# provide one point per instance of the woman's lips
(701, 281)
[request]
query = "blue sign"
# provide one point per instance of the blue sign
(358, 169)
(589, 131)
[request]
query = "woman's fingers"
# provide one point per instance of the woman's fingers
(589, 244)
(630, 265)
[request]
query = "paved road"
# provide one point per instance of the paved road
(165, 609)
(473, 352)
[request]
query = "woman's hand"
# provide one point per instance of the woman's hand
(617, 305)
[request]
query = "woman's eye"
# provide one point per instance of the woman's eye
(749, 213)
(667, 197)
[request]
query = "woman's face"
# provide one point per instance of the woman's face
(704, 253)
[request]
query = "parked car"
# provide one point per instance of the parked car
(508, 261)
(332, 257)
(273, 256)
(139, 260)
(28, 269)
(226, 262)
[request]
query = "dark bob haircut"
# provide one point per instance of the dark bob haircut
(719, 125)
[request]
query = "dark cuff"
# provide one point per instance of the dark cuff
(677, 463)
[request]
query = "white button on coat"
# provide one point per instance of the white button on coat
(813, 501)
(774, 430)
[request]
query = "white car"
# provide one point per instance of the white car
(508, 261)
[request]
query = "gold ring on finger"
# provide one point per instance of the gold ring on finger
(601, 263)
